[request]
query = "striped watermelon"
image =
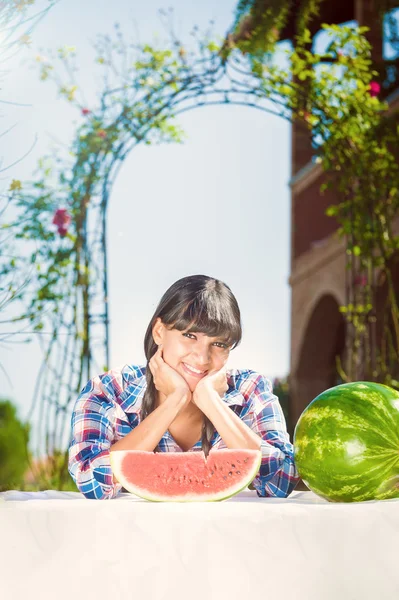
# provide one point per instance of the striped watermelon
(346, 443)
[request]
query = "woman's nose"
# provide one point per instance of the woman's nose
(202, 355)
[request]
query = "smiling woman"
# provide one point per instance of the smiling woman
(184, 399)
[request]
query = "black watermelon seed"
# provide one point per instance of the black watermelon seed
(189, 480)
(212, 472)
(232, 465)
(238, 472)
(230, 473)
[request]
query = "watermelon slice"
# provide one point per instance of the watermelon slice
(185, 476)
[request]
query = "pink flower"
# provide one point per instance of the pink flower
(374, 88)
(61, 217)
(360, 280)
(85, 111)
(101, 133)
(62, 231)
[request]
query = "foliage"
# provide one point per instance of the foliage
(50, 473)
(335, 96)
(257, 25)
(14, 435)
(16, 25)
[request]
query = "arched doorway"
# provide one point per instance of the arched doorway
(322, 342)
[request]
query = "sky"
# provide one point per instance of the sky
(219, 204)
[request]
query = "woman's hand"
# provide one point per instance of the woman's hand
(166, 379)
(215, 381)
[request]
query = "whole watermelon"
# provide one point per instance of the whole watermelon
(346, 443)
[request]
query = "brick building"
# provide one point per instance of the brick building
(317, 277)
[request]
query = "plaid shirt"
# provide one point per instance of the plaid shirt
(108, 408)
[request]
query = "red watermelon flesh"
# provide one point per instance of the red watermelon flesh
(185, 476)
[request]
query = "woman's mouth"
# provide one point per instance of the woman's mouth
(193, 371)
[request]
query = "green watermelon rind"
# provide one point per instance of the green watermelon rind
(379, 410)
(116, 459)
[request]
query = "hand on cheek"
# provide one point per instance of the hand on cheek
(214, 381)
(166, 379)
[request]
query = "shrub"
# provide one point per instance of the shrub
(14, 438)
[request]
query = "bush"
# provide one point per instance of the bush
(50, 473)
(14, 439)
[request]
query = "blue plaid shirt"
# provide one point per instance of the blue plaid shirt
(108, 408)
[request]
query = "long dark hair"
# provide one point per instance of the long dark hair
(205, 305)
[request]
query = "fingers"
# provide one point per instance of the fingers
(157, 358)
(220, 372)
(159, 353)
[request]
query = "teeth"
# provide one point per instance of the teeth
(194, 370)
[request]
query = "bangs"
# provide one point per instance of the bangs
(208, 314)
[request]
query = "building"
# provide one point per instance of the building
(318, 257)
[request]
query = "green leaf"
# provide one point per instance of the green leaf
(213, 47)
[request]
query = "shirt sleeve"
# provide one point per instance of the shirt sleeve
(278, 475)
(92, 436)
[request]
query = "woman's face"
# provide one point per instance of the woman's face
(191, 354)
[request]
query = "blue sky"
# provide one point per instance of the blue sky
(218, 205)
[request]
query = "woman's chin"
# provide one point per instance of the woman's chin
(191, 384)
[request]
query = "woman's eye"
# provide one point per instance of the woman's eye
(191, 336)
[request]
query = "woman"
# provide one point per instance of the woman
(184, 399)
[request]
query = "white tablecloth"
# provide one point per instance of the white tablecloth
(298, 548)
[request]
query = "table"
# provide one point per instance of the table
(59, 545)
